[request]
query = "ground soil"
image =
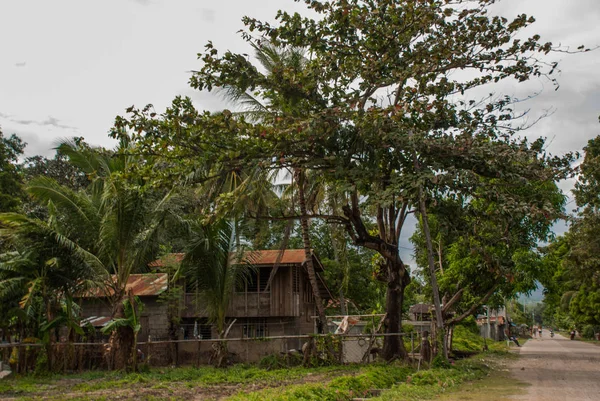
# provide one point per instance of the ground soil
(558, 369)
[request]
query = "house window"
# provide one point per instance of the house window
(256, 329)
(257, 280)
(308, 292)
(296, 279)
(196, 329)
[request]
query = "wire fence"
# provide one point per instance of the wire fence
(273, 351)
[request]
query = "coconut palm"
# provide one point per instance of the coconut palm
(38, 283)
(284, 94)
(115, 224)
(213, 266)
(132, 311)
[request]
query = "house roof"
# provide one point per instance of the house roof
(95, 321)
(150, 284)
(257, 258)
(420, 308)
(289, 257)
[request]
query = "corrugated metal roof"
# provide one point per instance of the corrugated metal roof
(96, 321)
(420, 308)
(289, 257)
(150, 284)
(268, 257)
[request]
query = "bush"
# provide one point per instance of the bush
(588, 331)
(275, 361)
(464, 339)
(338, 389)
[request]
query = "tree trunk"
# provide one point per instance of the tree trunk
(49, 317)
(174, 336)
(121, 340)
(397, 280)
(439, 321)
(310, 268)
(338, 259)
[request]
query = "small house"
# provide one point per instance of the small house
(96, 310)
(275, 300)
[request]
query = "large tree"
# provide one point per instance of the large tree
(11, 149)
(484, 252)
(572, 264)
(388, 116)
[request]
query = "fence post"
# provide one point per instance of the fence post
(412, 343)
(149, 349)
(198, 354)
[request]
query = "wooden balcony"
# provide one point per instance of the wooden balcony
(250, 304)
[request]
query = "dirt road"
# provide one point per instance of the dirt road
(559, 369)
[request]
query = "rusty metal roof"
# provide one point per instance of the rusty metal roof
(95, 321)
(142, 285)
(170, 259)
(147, 284)
(420, 308)
(259, 258)
(289, 257)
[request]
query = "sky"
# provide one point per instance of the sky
(68, 68)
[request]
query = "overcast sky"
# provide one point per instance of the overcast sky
(67, 68)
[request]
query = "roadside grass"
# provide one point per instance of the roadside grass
(397, 381)
(475, 378)
(161, 378)
(338, 389)
(467, 379)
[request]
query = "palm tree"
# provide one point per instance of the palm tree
(42, 280)
(115, 224)
(282, 67)
(132, 311)
(213, 266)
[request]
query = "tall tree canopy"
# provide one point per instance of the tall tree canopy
(572, 279)
(385, 109)
(10, 179)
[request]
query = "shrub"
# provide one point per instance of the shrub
(274, 361)
(588, 331)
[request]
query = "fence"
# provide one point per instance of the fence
(274, 350)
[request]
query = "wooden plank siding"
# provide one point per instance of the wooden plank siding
(283, 299)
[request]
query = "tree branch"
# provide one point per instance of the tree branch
(472, 309)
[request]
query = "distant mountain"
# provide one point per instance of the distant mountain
(535, 297)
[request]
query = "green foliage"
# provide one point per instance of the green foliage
(278, 361)
(427, 384)
(214, 265)
(329, 113)
(132, 310)
(589, 331)
(487, 252)
(571, 262)
(466, 339)
(11, 149)
(162, 377)
(341, 388)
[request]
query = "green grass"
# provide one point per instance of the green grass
(466, 340)
(255, 383)
(338, 389)
(160, 379)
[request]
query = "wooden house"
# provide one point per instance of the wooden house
(96, 310)
(276, 300)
